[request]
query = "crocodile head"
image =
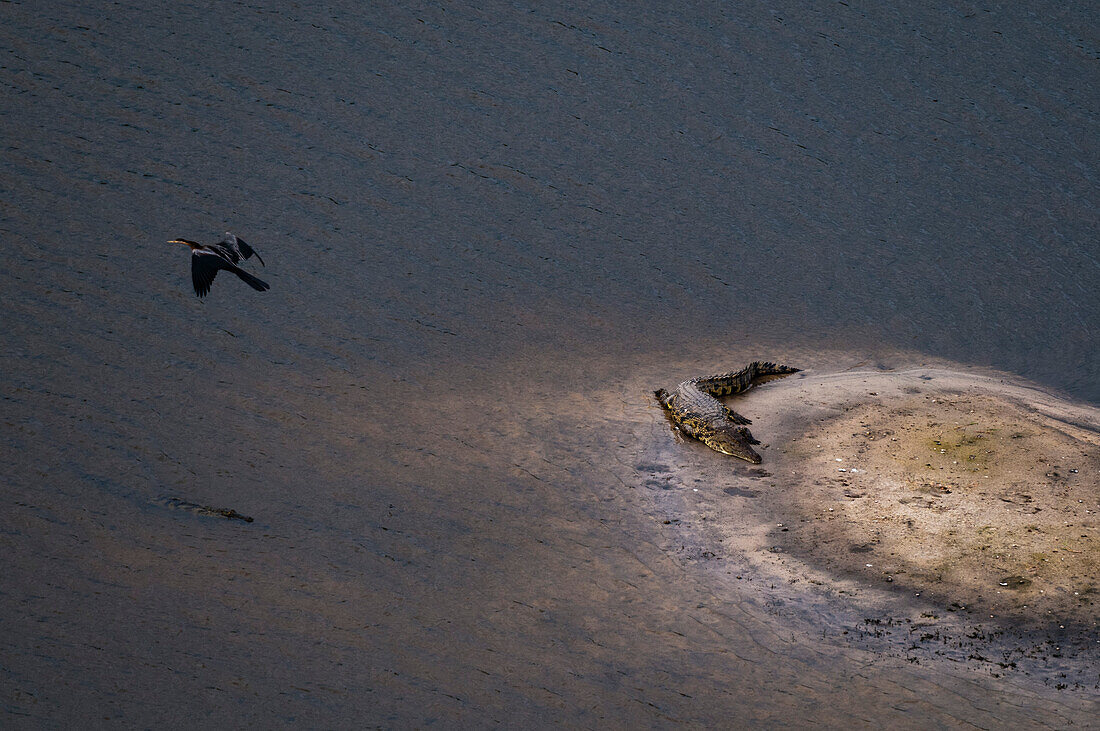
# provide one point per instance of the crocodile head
(736, 442)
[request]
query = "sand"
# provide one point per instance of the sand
(958, 507)
(965, 490)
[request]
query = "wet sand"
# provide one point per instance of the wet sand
(490, 232)
(617, 574)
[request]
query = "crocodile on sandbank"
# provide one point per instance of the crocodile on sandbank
(697, 413)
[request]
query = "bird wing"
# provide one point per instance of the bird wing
(227, 247)
(204, 267)
(239, 247)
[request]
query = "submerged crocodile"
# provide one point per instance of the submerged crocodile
(695, 410)
(207, 510)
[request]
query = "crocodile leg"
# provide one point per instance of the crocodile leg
(664, 398)
(747, 435)
(687, 429)
(737, 418)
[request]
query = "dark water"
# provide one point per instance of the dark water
(474, 219)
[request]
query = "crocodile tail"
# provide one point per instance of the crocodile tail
(742, 380)
(768, 368)
(663, 397)
(727, 383)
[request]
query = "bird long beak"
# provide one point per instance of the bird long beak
(177, 241)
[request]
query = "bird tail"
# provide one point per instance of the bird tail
(256, 283)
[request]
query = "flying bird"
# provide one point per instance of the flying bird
(208, 259)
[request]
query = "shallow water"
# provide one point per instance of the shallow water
(490, 232)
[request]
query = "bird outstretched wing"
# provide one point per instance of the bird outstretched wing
(238, 248)
(204, 267)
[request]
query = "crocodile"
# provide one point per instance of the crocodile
(697, 413)
(207, 510)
